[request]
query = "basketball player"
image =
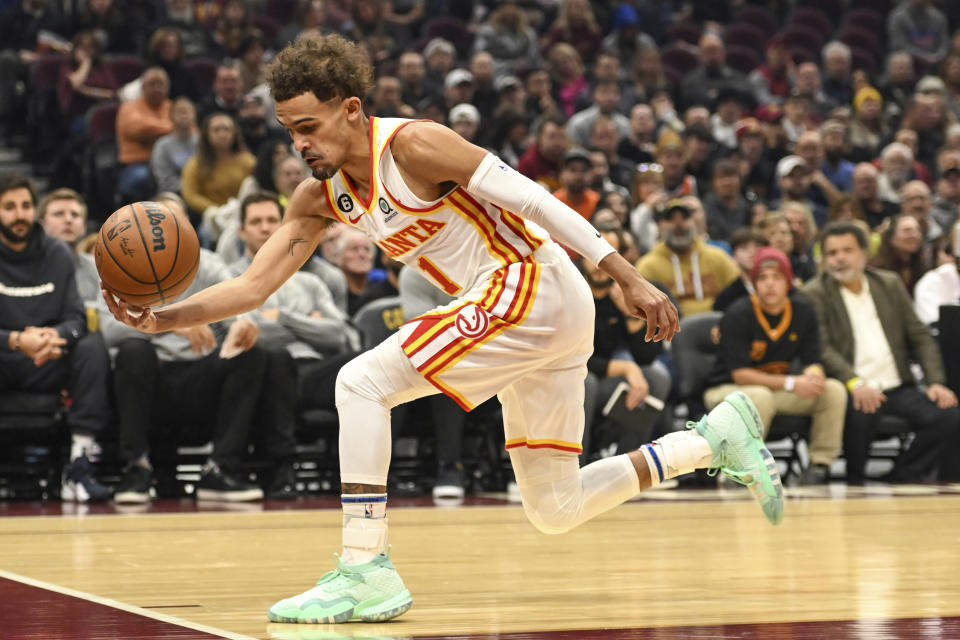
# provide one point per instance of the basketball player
(520, 327)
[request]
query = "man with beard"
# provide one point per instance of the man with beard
(896, 163)
(227, 94)
(870, 334)
(795, 178)
(835, 166)
(702, 85)
(44, 344)
(761, 336)
(254, 127)
(947, 199)
(542, 161)
(692, 271)
(575, 193)
(866, 190)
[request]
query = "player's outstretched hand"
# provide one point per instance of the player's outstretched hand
(140, 318)
(642, 299)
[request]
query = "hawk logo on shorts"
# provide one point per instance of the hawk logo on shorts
(472, 321)
(345, 203)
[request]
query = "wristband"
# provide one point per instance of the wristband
(789, 383)
(16, 341)
(853, 383)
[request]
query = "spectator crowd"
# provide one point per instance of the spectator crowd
(793, 165)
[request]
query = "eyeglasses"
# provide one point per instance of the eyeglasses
(651, 167)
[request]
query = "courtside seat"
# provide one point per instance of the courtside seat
(32, 444)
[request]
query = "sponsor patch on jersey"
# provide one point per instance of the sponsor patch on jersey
(472, 321)
(388, 212)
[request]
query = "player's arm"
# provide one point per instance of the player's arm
(305, 222)
(432, 152)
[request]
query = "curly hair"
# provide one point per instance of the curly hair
(328, 66)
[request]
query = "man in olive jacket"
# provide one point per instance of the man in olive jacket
(870, 335)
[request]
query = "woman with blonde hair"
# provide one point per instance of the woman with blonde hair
(566, 71)
(775, 227)
(577, 25)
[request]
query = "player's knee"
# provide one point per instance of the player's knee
(551, 509)
(353, 379)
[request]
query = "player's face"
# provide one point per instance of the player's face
(262, 219)
(320, 130)
(64, 219)
(772, 286)
(844, 257)
(16, 215)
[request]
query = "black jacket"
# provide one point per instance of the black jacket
(38, 287)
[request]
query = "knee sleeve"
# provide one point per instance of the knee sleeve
(558, 495)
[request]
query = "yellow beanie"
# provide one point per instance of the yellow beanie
(866, 93)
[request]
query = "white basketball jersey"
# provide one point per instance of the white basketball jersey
(455, 242)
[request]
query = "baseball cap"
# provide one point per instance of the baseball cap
(457, 76)
(669, 139)
(769, 256)
(440, 44)
(666, 210)
(788, 164)
(931, 84)
(506, 82)
(577, 155)
(747, 127)
(769, 113)
(465, 111)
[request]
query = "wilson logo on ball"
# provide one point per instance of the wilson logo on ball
(156, 216)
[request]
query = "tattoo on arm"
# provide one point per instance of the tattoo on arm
(356, 487)
(294, 242)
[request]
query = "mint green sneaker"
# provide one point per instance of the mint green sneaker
(372, 592)
(735, 434)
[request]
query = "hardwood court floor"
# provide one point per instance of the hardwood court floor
(704, 561)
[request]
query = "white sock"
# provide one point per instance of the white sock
(364, 526)
(81, 444)
(675, 454)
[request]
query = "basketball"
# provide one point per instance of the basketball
(147, 254)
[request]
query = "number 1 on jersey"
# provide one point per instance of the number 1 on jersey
(439, 276)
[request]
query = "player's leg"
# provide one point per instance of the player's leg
(558, 495)
(365, 585)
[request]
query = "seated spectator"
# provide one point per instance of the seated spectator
(298, 323)
(821, 191)
(761, 336)
(947, 198)
(606, 97)
(184, 380)
(804, 231)
(465, 120)
(215, 174)
(253, 64)
(649, 194)
(172, 151)
(599, 180)
(757, 167)
(412, 72)
(795, 179)
(508, 38)
(165, 50)
(544, 158)
(620, 354)
(140, 123)
(692, 271)
(771, 80)
(731, 105)
(904, 251)
(866, 190)
(576, 24)
(835, 166)
(485, 93)
(837, 68)
(672, 156)
(604, 137)
(354, 253)
(776, 229)
(110, 22)
(744, 244)
(703, 84)
(85, 80)
(310, 18)
(568, 78)
(640, 143)
(868, 128)
(573, 190)
(848, 208)
(44, 344)
(940, 286)
(725, 206)
(231, 30)
(254, 125)
(63, 215)
(227, 93)
(916, 201)
(870, 330)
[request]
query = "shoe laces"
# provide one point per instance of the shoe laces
(341, 573)
(719, 462)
